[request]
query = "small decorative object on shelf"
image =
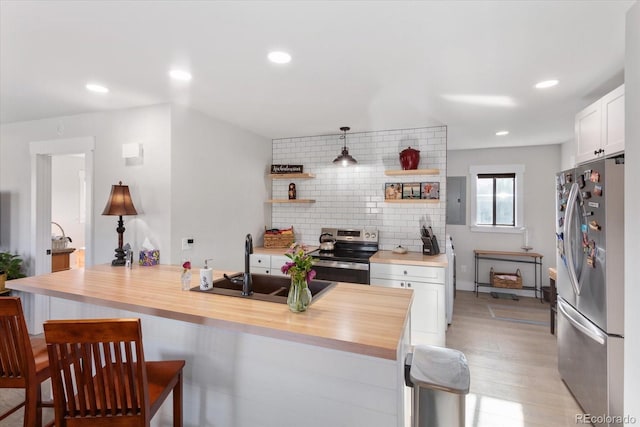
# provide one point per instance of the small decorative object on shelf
(392, 191)
(411, 190)
(185, 277)
(430, 190)
(292, 191)
(299, 268)
(409, 158)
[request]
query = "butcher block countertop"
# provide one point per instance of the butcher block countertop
(349, 317)
(410, 258)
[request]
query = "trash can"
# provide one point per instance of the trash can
(440, 380)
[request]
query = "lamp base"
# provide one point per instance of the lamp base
(120, 258)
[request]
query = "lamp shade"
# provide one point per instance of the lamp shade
(344, 159)
(119, 202)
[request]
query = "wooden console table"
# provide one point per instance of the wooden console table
(533, 258)
(60, 259)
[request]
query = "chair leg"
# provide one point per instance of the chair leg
(33, 407)
(177, 402)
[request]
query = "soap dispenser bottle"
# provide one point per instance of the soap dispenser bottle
(206, 276)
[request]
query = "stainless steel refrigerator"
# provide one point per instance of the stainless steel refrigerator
(590, 283)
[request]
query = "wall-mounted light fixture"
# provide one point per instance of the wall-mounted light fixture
(130, 151)
(345, 158)
(119, 204)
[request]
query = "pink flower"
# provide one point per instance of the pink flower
(285, 268)
(186, 265)
(310, 275)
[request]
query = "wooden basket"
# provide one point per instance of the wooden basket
(506, 280)
(279, 240)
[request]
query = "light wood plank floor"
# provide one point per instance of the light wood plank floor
(513, 365)
(514, 376)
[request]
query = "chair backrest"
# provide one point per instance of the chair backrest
(17, 365)
(98, 372)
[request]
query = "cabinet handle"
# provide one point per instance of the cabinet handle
(596, 152)
(408, 285)
(405, 272)
(402, 284)
(259, 261)
(267, 271)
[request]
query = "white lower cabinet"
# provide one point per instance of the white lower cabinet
(277, 261)
(428, 317)
(267, 264)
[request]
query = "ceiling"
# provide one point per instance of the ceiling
(371, 65)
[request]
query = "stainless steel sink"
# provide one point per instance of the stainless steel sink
(265, 288)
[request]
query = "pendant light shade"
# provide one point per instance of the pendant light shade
(345, 159)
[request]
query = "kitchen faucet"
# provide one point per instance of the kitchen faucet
(247, 288)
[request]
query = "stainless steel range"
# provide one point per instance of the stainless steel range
(348, 260)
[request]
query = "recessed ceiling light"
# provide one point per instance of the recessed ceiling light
(96, 88)
(502, 133)
(180, 75)
(545, 84)
(279, 57)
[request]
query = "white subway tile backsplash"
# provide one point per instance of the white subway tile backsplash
(354, 196)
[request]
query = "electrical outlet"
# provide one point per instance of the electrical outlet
(187, 243)
(463, 268)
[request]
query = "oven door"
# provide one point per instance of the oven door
(338, 271)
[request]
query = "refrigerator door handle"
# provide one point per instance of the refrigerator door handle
(569, 238)
(580, 324)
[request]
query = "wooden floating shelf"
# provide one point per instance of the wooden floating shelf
(412, 172)
(413, 201)
(291, 175)
(291, 201)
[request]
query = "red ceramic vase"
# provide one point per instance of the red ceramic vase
(409, 158)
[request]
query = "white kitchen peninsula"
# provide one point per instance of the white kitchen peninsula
(253, 363)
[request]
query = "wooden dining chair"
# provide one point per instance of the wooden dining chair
(100, 377)
(23, 361)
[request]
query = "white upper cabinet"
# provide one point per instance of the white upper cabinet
(612, 106)
(599, 128)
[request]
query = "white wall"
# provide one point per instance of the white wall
(219, 188)
(541, 163)
(149, 182)
(354, 196)
(631, 209)
(567, 155)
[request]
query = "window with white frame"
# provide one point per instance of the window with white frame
(496, 198)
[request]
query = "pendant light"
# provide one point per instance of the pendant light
(345, 158)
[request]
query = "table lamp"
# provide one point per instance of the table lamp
(119, 204)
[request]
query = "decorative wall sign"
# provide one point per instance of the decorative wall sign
(430, 190)
(411, 190)
(392, 191)
(283, 169)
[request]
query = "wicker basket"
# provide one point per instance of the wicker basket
(278, 240)
(506, 280)
(59, 242)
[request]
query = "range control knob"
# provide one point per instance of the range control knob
(373, 235)
(366, 235)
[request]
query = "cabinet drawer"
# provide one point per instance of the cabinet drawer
(407, 272)
(260, 270)
(260, 260)
(277, 261)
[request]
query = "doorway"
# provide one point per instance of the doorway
(68, 211)
(41, 159)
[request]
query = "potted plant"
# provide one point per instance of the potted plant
(10, 267)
